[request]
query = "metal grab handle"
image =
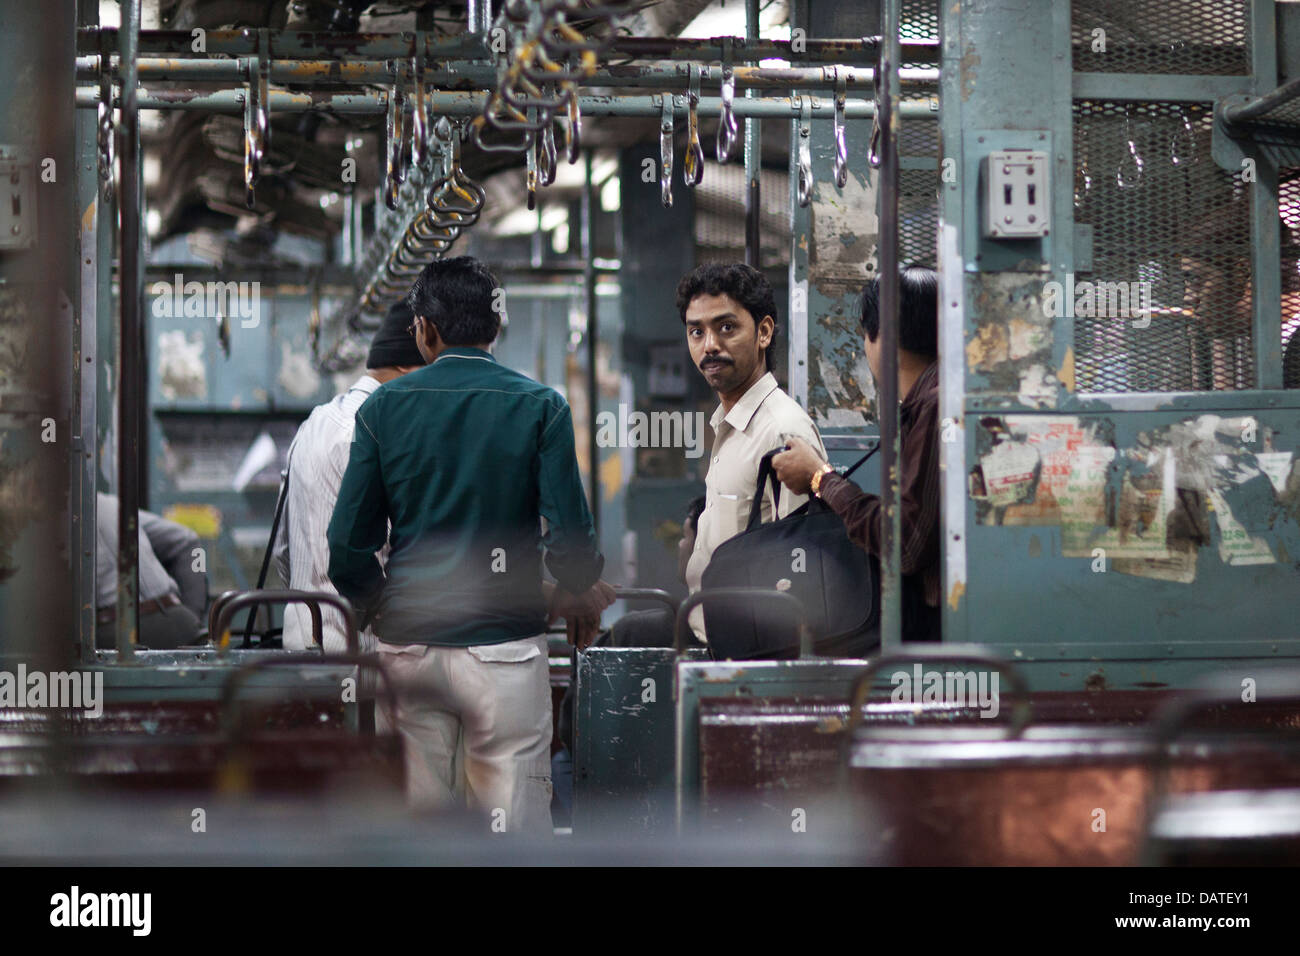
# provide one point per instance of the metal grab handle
(647, 594)
(257, 121)
(573, 128)
(666, 122)
(873, 147)
(230, 603)
(107, 139)
(217, 603)
(231, 686)
(1186, 134)
(805, 174)
(419, 117)
(728, 128)
(547, 158)
(1022, 709)
(1133, 160)
(693, 161)
(530, 174)
(393, 173)
(774, 597)
(841, 145)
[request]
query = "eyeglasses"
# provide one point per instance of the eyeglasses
(410, 329)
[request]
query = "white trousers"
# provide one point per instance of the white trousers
(492, 704)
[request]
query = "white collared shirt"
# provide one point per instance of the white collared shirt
(317, 459)
(755, 425)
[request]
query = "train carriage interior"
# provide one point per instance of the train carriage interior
(217, 208)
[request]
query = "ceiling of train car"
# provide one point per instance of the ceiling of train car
(194, 161)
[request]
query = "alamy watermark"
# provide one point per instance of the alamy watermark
(975, 689)
(629, 429)
(212, 300)
(1098, 300)
(61, 690)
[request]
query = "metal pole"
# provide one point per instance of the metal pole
(891, 517)
(130, 363)
(589, 289)
(753, 160)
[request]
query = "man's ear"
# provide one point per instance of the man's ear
(767, 325)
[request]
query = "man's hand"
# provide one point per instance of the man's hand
(581, 612)
(796, 465)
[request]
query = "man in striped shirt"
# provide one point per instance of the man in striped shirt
(803, 470)
(317, 460)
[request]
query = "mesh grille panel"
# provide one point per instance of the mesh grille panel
(1156, 36)
(1170, 230)
(919, 20)
(1289, 205)
(918, 216)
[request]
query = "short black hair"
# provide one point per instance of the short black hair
(458, 296)
(918, 310)
(745, 284)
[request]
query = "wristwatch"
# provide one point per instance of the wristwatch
(817, 477)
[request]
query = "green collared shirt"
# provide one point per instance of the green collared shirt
(463, 457)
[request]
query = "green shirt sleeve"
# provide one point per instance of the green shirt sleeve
(570, 538)
(359, 526)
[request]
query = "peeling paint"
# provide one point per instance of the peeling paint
(955, 594)
(181, 372)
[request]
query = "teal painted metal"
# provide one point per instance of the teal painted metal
(1155, 605)
(623, 718)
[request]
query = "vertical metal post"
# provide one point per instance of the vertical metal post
(589, 290)
(1265, 233)
(891, 591)
(94, 219)
(753, 160)
(130, 363)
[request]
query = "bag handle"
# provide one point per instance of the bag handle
(767, 473)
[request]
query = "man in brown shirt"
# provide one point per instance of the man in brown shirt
(802, 470)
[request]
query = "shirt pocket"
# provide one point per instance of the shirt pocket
(509, 652)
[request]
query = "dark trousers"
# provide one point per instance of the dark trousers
(161, 630)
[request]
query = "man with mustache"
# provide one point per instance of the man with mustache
(730, 316)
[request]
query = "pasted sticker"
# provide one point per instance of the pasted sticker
(1009, 472)
(1277, 466)
(1236, 545)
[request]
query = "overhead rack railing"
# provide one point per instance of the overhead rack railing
(293, 44)
(549, 75)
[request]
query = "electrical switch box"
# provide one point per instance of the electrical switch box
(1017, 198)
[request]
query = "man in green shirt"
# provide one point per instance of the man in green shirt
(465, 458)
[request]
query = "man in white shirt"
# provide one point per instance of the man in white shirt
(317, 459)
(730, 317)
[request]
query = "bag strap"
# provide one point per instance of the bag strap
(270, 546)
(854, 467)
(766, 474)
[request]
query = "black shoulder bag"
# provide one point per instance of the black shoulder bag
(809, 554)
